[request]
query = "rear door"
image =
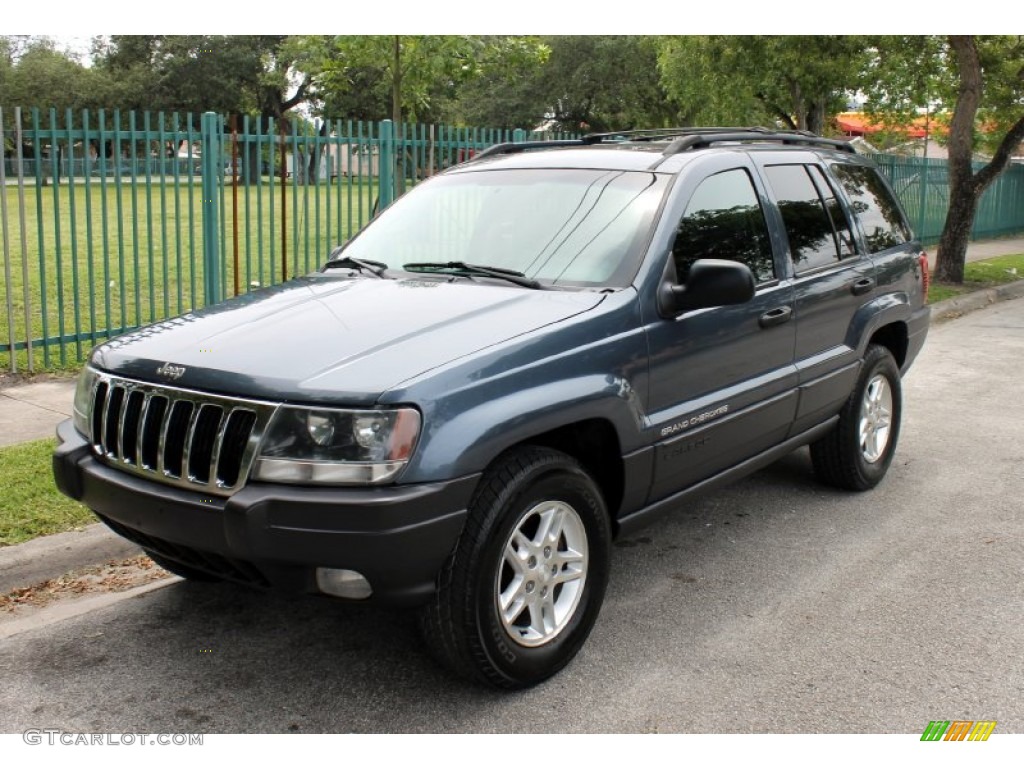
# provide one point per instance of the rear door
(833, 279)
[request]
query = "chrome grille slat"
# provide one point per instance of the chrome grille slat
(122, 412)
(129, 432)
(218, 440)
(140, 431)
(97, 415)
(190, 433)
(152, 430)
(110, 430)
(207, 425)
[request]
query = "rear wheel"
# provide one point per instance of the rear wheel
(857, 453)
(520, 594)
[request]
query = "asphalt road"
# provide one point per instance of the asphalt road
(778, 605)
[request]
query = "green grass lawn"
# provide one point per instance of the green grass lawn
(111, 256)
(979, 275)
(31, 505)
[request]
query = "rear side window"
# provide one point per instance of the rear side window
(724, 220)
(813, 241)
(873, 203)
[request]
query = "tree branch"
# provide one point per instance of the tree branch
(299, 96)
(1001, 158)
(776, 110)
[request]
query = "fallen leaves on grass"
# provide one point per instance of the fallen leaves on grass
(115, 576)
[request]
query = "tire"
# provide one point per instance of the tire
(180, 569)
(857, 453)
(551, 584)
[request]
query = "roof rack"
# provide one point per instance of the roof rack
(679, 140)
(702, 139)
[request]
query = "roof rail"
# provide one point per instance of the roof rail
(681, 140)
(653, 134)
(512, 147)
(701, 139)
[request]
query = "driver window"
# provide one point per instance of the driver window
(724, 220)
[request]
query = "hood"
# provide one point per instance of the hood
(323, 338)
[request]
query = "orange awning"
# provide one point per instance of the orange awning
(859, 124)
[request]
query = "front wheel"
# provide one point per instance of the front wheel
(857, 453)
(520, 594)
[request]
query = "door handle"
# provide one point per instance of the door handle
(862, 286)
(776, 316)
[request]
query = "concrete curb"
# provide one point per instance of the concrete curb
(45, 558)
(950, 309)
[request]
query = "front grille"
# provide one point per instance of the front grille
(189, 439)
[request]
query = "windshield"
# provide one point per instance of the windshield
(566, 227)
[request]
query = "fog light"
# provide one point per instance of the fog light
(343, 583)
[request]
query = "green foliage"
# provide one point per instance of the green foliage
(798, 81)
(31, 505)
(407, 77)
(589, 83)
(33, 73)
(904, 73)
(233, 74)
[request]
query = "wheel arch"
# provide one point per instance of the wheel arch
(894, 337)
(595, 445)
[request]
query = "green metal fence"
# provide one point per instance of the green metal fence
(922, 185)
(114, 220)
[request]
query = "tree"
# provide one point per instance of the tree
(418, 76)
(231, 74)
(594, 82)
(979, 83)
(33, 73)
(799, 81)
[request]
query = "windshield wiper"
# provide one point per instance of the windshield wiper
(374, 267)
(462, 268)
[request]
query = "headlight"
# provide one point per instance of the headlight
(335, 446)
(83, 400)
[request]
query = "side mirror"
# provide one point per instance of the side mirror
(711, 283)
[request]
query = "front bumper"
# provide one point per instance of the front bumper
(398, 537)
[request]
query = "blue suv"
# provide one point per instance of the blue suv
(525, 357)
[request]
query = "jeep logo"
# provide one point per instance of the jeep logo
(173, 372)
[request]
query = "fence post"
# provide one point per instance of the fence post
(386, 165)
(518, 135)
(210, 135)
(8, 282)
(925, 181)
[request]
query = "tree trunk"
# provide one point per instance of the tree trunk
(396, 116)
(949, 266)
(965, 186)
(956, 234)
(396, 84)
(316, 155)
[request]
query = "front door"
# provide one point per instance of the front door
(722, 385)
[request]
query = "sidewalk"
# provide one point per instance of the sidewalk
(31, 411)
(984, 249)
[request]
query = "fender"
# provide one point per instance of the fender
(470, 439)
(887, 309)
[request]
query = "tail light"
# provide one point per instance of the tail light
(926, 277)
